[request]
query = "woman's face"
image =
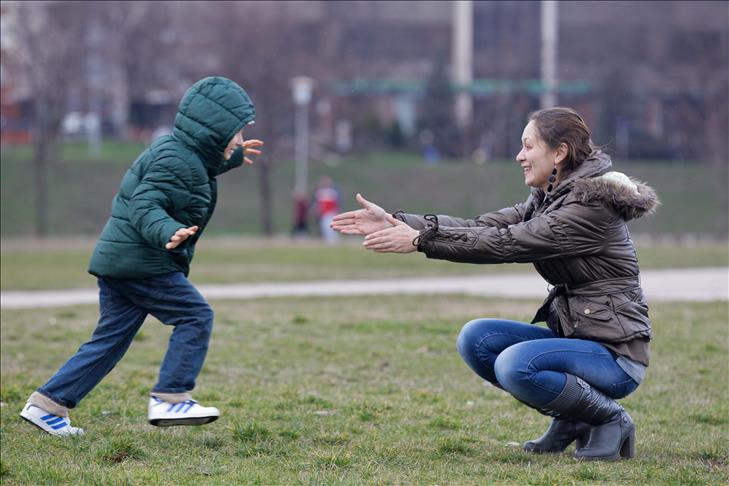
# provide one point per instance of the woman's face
(235, 142)
(535, 157)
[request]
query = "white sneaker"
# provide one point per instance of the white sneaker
(189, 412)
(48, 422)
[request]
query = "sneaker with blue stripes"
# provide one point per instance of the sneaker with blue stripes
(48, 422)
(189, 412)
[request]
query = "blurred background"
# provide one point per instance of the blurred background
(418, 105)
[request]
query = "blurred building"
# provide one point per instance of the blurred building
(650, 77)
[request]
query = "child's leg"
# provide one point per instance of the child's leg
(179, 304)
(119, 321)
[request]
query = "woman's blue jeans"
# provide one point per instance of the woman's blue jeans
(530, 362)
(124, 305)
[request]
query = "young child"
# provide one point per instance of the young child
(143, 255)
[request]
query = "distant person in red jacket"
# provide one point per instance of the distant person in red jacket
(326, 202)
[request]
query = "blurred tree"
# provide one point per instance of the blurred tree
(436, 113)
(50, 57)
(369, 132)
(140, 50)
(614, 125)
(262, 48)
(256, 52)
(395, 137)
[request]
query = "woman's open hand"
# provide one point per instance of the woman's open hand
(369, 219)
(397, 239)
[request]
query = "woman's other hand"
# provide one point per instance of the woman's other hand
(369, 219)
(397, 239)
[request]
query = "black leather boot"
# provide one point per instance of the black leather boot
(610, 441)
(560, 434)
(612, 434)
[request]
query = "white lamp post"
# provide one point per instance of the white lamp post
(301, 87)
(549, 53)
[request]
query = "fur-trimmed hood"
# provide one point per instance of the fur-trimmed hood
(593, 180)
(631, 197)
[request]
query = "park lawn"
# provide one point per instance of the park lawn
(365, 390)
(59, 264)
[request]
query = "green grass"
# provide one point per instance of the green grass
(82, 188)
(28, 265)
(353, 391)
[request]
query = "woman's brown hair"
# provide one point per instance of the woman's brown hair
(564, 125)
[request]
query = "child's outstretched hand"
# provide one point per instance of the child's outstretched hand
(181, 235)
(250, 147)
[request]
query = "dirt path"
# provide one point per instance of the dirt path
(692, 284)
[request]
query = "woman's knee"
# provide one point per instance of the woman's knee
(472, 333)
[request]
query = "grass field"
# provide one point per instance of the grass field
(365, 390)
(28, 265)
(354, 391)
(82, 187)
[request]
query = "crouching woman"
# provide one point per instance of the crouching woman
(572, 228)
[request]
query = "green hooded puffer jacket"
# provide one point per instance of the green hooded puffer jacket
(172, 185)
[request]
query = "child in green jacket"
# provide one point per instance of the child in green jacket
(142, 260)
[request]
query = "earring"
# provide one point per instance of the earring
(552, 178)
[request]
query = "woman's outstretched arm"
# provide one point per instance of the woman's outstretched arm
(372, 218)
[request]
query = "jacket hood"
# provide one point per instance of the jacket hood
(631, 197)
(594, 181)
(211, 112)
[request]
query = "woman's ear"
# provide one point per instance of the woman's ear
(561, 153)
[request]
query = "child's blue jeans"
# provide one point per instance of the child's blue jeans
(123, 306)
(530, 362)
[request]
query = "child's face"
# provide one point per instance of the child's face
(235, 142)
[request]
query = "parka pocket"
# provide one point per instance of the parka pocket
(593, 318)
(612, 318)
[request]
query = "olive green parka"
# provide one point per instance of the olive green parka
(172, 185)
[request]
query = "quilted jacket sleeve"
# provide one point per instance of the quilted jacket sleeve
(500, 218)
(161, 190)
(570, 230)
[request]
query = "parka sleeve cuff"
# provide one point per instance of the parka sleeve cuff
(426, 233)
(235, 161)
